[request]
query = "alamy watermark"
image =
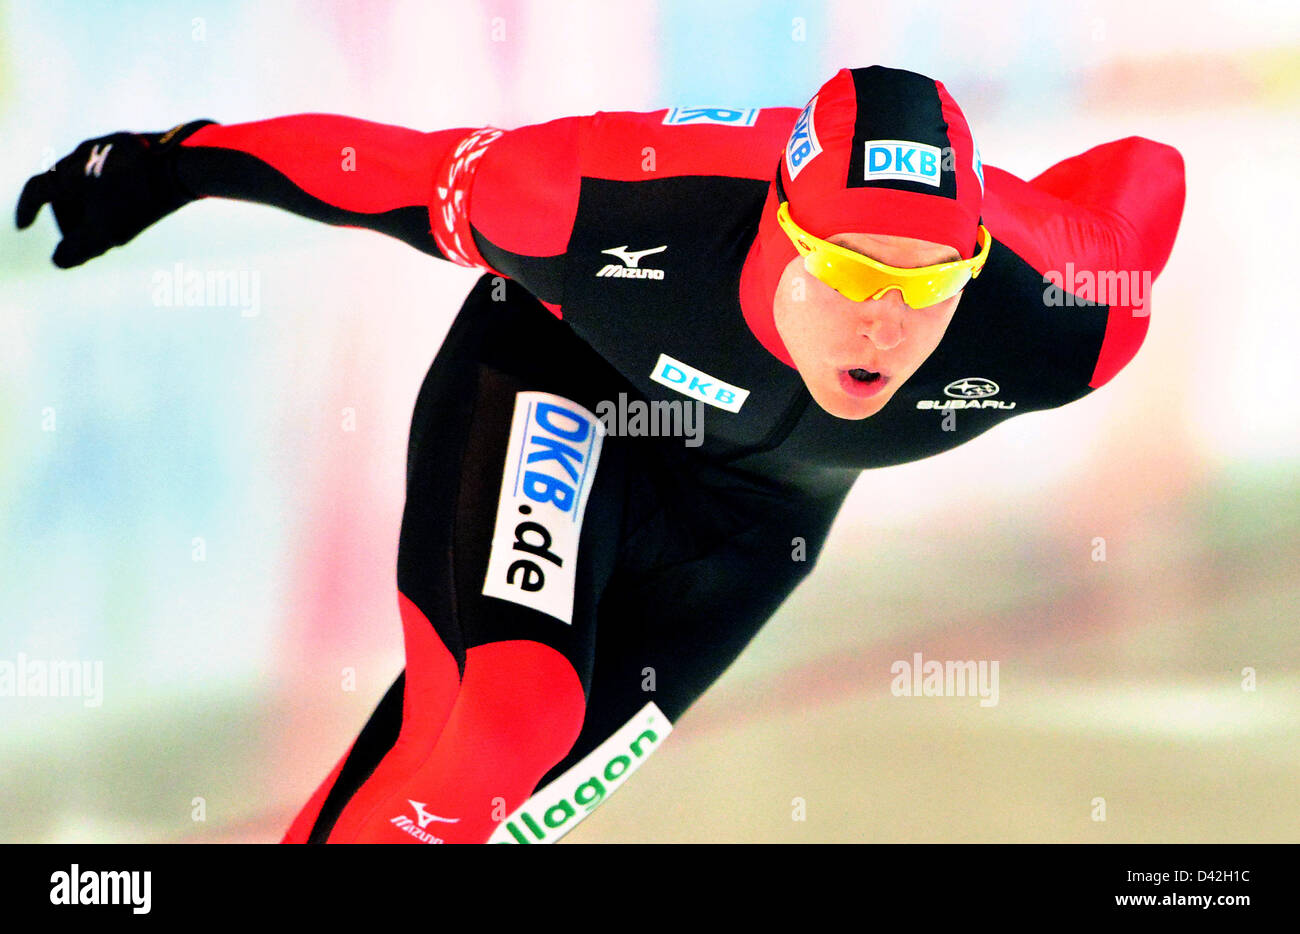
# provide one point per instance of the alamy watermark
(675, 418)
(60, 677)
(181, 287)
(77, 886)
(933, 678)
(1121, 288)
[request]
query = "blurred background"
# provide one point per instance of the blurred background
(205, 500)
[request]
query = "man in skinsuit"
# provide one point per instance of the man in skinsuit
(839, 287)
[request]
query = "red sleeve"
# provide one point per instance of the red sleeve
(352, 164)
(335, 169)
(501, 201)
(1114, 208)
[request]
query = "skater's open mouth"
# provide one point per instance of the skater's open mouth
(861, 382)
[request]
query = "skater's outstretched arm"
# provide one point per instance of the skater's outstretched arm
(344, 171)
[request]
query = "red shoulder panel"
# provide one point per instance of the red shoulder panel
(1114, 209)
(525, 197)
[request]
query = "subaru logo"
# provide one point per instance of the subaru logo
(972, 387)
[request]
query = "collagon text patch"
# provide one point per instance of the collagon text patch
(556, 809)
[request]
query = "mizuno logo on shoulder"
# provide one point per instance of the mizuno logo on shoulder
(631, 268)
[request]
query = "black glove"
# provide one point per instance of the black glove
(107, 191)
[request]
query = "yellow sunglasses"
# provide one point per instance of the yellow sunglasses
(859, 277)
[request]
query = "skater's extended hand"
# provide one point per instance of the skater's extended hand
(106, 191)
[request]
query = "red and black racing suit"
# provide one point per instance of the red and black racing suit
(565, 593)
